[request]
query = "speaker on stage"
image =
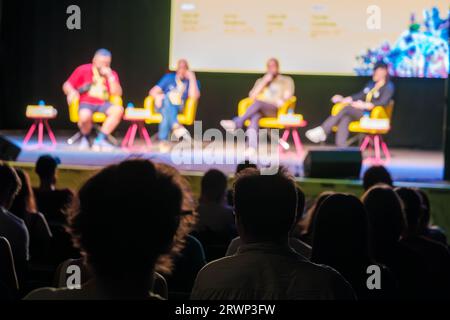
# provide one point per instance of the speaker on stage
(8, 150)
(342, 163)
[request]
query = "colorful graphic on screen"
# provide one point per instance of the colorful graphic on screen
(420, 51)
(319, 37)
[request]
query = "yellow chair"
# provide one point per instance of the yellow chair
(281, 121)
(268, 122)
(97, 117)
(373, 136)
(186, 117)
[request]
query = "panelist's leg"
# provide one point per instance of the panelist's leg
(114, 115)
(257, 107)
(85, 121)
(169, 120)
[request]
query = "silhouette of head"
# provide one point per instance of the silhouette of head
(244, 165)
(386, 217)
(265, 205)
(126, 217)
(413, 209)
(375, 175)
(306, 224)
(46, 167)
(340, 231)
(9, 185)
(24, 201)
(214, 186)
(426, 206)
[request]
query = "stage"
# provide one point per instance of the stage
(405, 165)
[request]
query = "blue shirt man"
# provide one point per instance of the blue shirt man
(170, 94)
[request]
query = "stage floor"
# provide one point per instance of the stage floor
(405, 165)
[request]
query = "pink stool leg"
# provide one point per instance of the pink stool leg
(132, 135)
(29, 133)
(50, 133)
(385, 148)
(146, 136)
(40, 133)
(365, 143)
(285, 137)
(127, 137)
(298, 143)
(376, 143)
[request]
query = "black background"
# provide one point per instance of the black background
(38, 53)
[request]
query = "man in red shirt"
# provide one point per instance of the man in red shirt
(93, 84)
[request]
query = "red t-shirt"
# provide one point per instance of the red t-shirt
(93, 92)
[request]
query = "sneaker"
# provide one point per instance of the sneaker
(181, 132)
(103, 145)
(164, 146)
(316, 135)
(84, 144)
(284, 144)
(228, 125)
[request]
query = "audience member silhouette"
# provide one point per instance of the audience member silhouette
(51, 201)
(305, 225)
(341, 241)
(24, 207)
(241, 166)
(216, 219)
(435, 255)
(296, 244)
(376, 175)
(426, 228)
(12, 227)
(187, 257)
(126, 217)
(387, 221)
(9, 285)
(265, 267)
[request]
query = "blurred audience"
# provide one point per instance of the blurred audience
(265, 266)
(216, 219)
(341, 241)
(305, 225)
(51, 201)
(426, 228)
(187, 257)
(387, 222)
(126, 217)
(435, 255)
(13, 228)
(241, 166)
(9, 285)
(376, 175)
(24, 207)
(299, 246)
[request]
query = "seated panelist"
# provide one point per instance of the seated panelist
(93, 84)
(269, 93)
(378, 92)
(170, 94)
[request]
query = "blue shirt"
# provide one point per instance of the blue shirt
(168, 83)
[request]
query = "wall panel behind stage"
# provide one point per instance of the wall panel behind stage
(37, 54)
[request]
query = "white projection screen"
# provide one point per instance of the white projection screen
(329, 37)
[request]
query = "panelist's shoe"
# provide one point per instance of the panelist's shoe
(164, 146)
(181, 132)
(84, 144)
(316, 135)
(228, 125)
(103, 145)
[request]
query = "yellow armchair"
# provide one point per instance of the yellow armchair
(97, 117)
(268, 122)
(186, 117)
(378, 112)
